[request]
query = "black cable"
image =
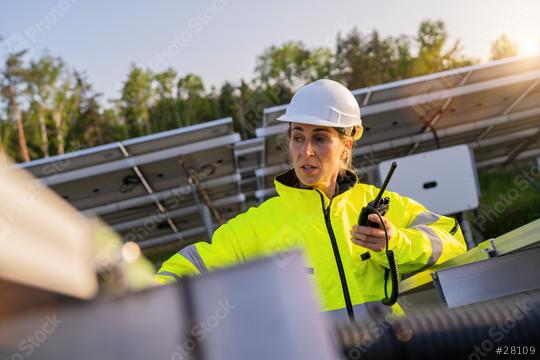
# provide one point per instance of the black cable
(392, 267)
(436, 137)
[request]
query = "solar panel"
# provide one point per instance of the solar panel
(143, 187)
(494, 108)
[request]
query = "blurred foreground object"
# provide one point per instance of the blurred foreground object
(44, 242)
(469, 332)
(264, 309)
(47, 247)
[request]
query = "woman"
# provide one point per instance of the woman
(317, 209)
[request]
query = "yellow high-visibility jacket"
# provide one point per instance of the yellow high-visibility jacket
(306, 218)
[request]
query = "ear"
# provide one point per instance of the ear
(344, 153)
(348, 143)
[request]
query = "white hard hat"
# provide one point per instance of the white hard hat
(325, 103)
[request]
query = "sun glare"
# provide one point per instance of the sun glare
(529, 46)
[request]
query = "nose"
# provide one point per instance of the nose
(308, 149)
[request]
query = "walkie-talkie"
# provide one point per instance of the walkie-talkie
(380, 206)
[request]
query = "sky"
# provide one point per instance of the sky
(220, 39)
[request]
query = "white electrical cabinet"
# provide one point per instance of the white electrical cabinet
(443, 180)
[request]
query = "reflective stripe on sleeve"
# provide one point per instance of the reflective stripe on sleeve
(192, 255)
(436, 243)
(424, 218)
(168, 273)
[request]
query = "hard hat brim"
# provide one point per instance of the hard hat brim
(313, 120)
(308, 120)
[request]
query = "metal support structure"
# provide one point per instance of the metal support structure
(466, 230)
(522, 146)
(195, 181)
(496, 140)
(231, 200)
(451, 131)
(500, 160)
(139, 160)
(431, 123)
(148, 188)
(491, 279)
(207, 221)
(179, 237)
(509, 109)
(180, 191)
(367, 98)
(265, 193)
(246, 172)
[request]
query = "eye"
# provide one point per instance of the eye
(297, 138)
(321, 139)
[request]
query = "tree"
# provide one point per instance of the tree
(370, 60)
(12, 79)
(135, 101)
(88, 125)
(163, 113)
(502, 48)
(293, 65)
(6, 135)
(435, 53)
(164, 84)
(189, 87)
(41, 81)
(227, 103)
(67, 98)
(193, 105)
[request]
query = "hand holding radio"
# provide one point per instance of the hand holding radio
(372, 237)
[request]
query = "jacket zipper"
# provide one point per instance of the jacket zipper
(339, 264)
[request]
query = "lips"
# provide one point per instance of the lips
(308, 168)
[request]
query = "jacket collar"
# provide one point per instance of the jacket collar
(288, 186)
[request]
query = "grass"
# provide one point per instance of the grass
(508, 200)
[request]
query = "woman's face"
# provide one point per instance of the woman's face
(317, 154)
